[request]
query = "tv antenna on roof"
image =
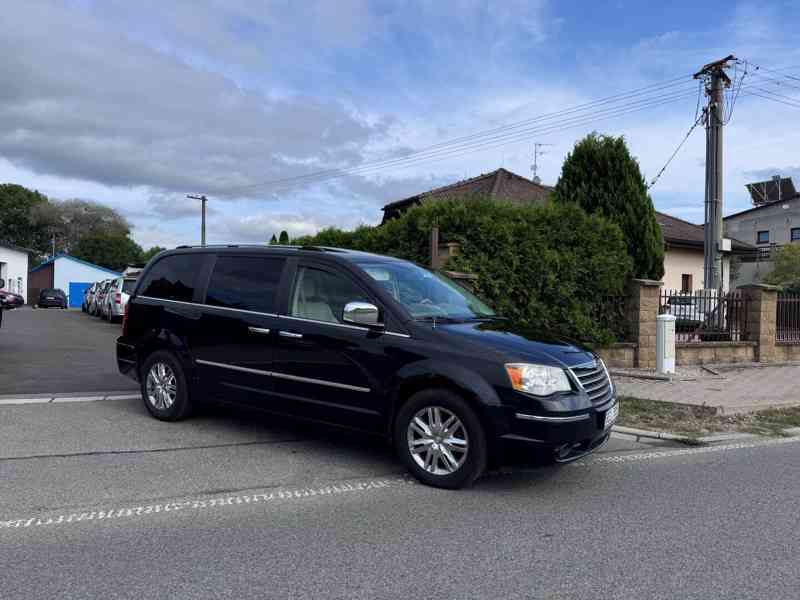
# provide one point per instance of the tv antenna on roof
(537, 152)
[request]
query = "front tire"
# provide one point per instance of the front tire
(440, 439)
(164, 389)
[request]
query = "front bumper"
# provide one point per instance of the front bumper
(566, 437)
(51, 303)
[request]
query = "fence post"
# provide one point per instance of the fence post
(762, 310)
(641, 311)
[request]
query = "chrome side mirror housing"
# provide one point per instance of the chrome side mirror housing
(362, 313)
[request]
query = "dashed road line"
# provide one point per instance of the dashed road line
(59, 398)
(205, 502)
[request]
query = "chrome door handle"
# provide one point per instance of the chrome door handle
(258, 330)
(290, 334)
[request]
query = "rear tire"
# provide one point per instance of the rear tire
(164, 389)
(447, 438)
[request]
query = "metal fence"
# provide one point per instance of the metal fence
(706, 315)
(787, 325)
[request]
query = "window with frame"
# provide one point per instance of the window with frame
(245, 282)
(321, 295)
(762, 237)
(686, 282)
(795, 234)
(173, 277)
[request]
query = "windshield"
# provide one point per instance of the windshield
(426, 294)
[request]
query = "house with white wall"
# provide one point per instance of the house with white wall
(67, 273)
(14, 269)
(684, 265)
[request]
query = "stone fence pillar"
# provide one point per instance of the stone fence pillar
(641, 311)
(762, 311)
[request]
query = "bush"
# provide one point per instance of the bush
(546, 268)
(603, 178)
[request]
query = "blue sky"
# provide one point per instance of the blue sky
(138, 104)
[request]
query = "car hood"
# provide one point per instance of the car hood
(519, 344)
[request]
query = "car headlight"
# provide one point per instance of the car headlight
(538, 380)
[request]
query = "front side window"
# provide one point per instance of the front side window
(762, 237)
(245, 283)
(174, 277)
(426, 294)
(321, 296)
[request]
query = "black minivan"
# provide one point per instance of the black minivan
(365, 342)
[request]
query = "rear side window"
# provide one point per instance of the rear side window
(245, 282)
(174, 277)
(128, 286)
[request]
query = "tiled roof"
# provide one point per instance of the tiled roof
(678, 232)
(500, 184)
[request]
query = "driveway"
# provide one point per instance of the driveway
(56, 351)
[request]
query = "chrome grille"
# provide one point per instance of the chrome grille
(593, 379)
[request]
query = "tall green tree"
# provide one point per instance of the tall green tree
(283, 238)
(70, 220)
(273, 240)
(113, 251)
(19, 224)
(602, 177)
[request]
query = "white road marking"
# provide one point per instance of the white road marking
(654, 454)
(203, 503)
(51, 399)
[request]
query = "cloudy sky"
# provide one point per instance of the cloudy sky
(136, 104)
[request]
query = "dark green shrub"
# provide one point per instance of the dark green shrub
(603, 178)
(546, 268)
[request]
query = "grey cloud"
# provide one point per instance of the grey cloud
(81, 101)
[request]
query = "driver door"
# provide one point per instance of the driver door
(325, 369)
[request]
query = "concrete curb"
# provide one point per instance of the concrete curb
(49, 398)
(637, 434)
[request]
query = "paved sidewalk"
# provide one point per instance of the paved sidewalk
(737, 389)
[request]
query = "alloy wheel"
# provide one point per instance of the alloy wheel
(162, 386)
(437, 440)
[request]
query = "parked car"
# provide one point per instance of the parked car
(98, 297)
(10, 300)
(364, 342)
(116, 298)
(88, 294)
(51, 298)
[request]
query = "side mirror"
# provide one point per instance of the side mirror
(361, 313)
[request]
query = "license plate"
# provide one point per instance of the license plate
(49, 298)
(611, 415)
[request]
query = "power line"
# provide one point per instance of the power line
(675, 153)
(503, 135)
(499, 141)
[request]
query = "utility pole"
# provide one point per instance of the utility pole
(537, 151)
(204, 201)
(716, 80)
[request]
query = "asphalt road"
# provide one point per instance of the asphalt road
(58, 351)
(97, 500)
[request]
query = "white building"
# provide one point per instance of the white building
(14, 269)
(67, 273)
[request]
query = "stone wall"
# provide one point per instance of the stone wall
(619, 356)
(787, 352)
(715, 353)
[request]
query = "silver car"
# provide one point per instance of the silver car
(116, 297)
(97, 298)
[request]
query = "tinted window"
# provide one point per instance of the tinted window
(174, 277)
(128, 286)
(321, 296)
(245, 282)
